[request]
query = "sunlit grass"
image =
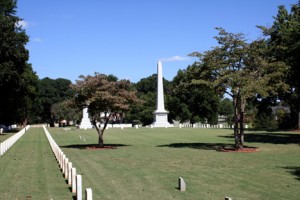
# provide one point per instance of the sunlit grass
(28, 170)
(147, 163)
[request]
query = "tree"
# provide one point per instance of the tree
(104, 94)
(50, 92)
(190, 102)
(65, 110)
(226, 109)
(284, 42)
(242, 71)
(17, 79)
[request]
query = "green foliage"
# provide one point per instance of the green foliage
(104, 93)
(284, 42)
(64, 110)
(265, 120)
(17, 79)
(191, 102)
(146, 91)
(264, 116)
(51, 91)
(241, 70)
(283, 119)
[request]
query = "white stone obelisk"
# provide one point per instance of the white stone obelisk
(85, 121)
(160, 114)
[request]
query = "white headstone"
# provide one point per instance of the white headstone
(88, 194)
(181, 184)
(70, 173)
(73, 172)
(79, 187)
(66, 168)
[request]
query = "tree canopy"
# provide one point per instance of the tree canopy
(106, 94)
(17, 79)
(283, 39)
(51, 92)
(242, 70)
(190, 102)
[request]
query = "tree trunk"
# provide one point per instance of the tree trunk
(298, 121)
(239, 107)
(101, 131)
(24, 123)
(100, 138)
(242, 111)
(236, 123)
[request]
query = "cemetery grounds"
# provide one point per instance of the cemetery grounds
(145, 163)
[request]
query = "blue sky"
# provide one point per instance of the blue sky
(125, 38)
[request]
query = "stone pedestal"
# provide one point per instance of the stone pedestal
(160, 114)
(85, 121)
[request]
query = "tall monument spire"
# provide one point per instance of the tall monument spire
(160, 114)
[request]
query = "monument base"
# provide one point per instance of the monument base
(85, 124)
(161, 119)
(85, 121)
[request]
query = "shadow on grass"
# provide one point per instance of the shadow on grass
(294, 171)
(273, 138)
(91, 146)
(204, 146)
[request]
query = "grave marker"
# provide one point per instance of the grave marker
(88, 194)
(79, 187)
(181, 184)
(73, 180)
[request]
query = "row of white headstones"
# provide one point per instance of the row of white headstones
(5, 145)
(69, 171)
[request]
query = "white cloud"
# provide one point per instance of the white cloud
(37, 40)
(174, 59)
(22, 23)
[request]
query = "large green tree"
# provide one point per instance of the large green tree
(104, 94)
(17, 79)
(284, 42)
(243, 71)
(51, 92)
(190, 102)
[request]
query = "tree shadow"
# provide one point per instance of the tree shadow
(273, 138)
(203, 146)
(294, 171)
(94, 146)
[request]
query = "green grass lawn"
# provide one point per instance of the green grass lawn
(29, 171)
(146, 163)
(5, 136)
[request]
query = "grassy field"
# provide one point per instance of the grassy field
(29, 170)
(5, 136)
(146, 164)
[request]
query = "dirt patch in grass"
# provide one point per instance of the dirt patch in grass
(95, 147)
(295, 130)
(243, 150)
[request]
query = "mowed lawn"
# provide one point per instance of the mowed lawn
(146, 163)
(29, 171)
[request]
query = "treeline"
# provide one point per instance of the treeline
(261, 79)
